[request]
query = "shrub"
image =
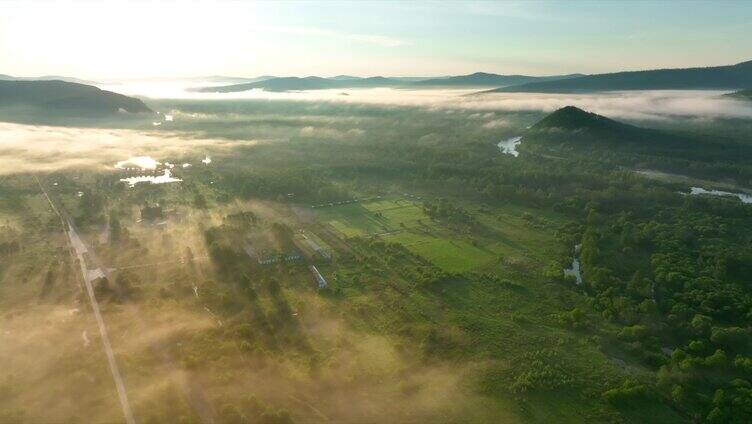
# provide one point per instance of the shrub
(575, 319)
(543, 372)
(630, 393)
(744, 363)
(633, 333)
(717, 359)
(735, 338)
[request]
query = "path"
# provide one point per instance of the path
(79, 249)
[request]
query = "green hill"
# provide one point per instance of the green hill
(571, 130)
(573, 118)
(575, 127)
(716, 77)
(60, 98)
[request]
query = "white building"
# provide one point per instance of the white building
(319, 278)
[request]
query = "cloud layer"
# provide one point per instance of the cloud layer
(638, 105)
(26, 148)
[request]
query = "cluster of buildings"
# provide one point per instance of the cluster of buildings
(267, 249)
(345, 202)
(268, 257)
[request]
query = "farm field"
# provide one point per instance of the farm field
(371, 218)
(510, 232)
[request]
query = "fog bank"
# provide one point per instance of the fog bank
(639, 105)
(29, 148)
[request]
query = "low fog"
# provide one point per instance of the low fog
(27, 148)
(636, 105)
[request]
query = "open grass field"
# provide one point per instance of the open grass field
(403, 221)
(507, 232)
(518, 233)
(452, 255)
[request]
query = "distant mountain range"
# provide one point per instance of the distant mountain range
(711, 78)
(306, 83)
(4, 77)
(481, 79)
(478, 79)
(60, 98)
(730, 77)
(225, 79)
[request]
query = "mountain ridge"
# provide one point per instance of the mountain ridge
(723, 77)
(477, 79)
(489, 79)
(5, 77)
(281, 84)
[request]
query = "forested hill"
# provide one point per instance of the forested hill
(482, 79)
(573, 131)
(737, 76)
(573, 118)
(60, 98)
(578, 127)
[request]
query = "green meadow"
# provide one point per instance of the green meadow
(509, 232)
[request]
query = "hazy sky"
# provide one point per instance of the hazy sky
(111, 39)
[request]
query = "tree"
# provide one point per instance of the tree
(701, 324)
(125, 282)
(631, 393)
(717, 359)
(735, 338)
(116, 230)
(633, 333)
(199, 201)
(231, 415)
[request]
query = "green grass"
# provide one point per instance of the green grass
(353, 220)
(515, 237)
(505, 233)
(370, 218)
(404, 222)
(453, 255)
(316, 239)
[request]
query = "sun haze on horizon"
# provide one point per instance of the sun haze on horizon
(118, 39)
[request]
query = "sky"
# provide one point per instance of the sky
(136, 39)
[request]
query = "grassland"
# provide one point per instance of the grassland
(506, 233)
